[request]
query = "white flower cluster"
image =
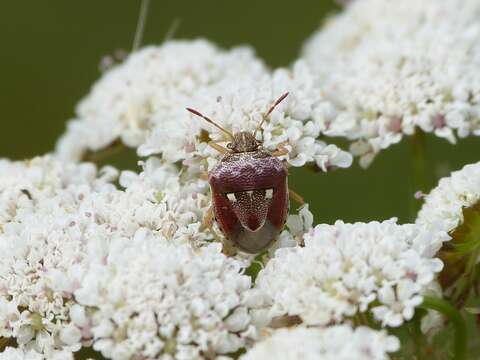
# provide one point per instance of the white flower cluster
(150, 90)
(21, 354)
(444, 208)
(86, 263)
(349, 268)
(41, 239)
(135, 271)
(64, 225)
(168, 201)
(162, 301)
(444, 205)
(391, 66)
(142, 103)
(338, 342)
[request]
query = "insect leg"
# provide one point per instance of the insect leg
(208, 218)
(228, 249)
(295, 197)
(218, 147)
(281, 150)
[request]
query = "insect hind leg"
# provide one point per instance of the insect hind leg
(296, 197)
(228, 248)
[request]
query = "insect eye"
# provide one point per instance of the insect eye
(230, 145)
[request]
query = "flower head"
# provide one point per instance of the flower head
(348, 268)
(56, 219)
(43, 225)
(21, 354)
(338, 342)
(150, 90)
(142, 104)
(159, 300)
(453, 207)
(444, 205)
(391, 66)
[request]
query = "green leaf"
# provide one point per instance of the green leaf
(256, 266)
(460, 335)
(460, 255)
(466, 237)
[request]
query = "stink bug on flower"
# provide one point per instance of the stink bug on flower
(250, 195)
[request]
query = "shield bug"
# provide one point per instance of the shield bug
(249, 186)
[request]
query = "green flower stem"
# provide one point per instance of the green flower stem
(419, 181)
(103, 154)
(460, 339)
(418, 337)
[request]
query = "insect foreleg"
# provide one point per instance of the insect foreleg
(208, 218)
(229, 248)
(281, 150)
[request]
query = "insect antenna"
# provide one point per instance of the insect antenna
(267, 114)
(195, 112)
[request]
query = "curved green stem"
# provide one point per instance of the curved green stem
(419, 182)
(418, 337)
(460, 339)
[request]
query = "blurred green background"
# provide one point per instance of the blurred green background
(50, 56)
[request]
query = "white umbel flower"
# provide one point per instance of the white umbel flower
(391, 66)
(56, 219)
(338, 342)
(41, 243)
(296, 124)
(20, 354)
(150, 90)
(160, 301)
(142, 102)
(348, 268)
(444, 205)
(168, 201)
